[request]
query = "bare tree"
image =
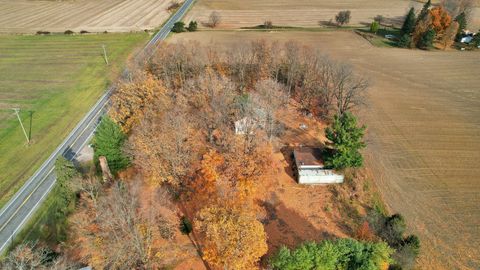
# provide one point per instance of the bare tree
(269, 96)
(349, 89)
(214, 19)
(89, 185)
(26, 256)
(455, 7)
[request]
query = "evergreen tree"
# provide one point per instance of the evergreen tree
(346, 138)
(409, 23)
(192, 26)
(108, 142)
(424, 13)
(461, 19)
(333, 255)
(64, 171)
(404, 41)
(426, 41)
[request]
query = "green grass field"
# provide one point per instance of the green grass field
(58, 78)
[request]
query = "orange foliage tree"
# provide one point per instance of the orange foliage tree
(130, 99)
(441, 20)
(233, 237)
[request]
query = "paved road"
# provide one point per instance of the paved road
(24, 203)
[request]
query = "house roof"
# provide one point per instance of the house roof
(308, 157)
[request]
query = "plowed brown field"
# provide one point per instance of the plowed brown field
(23, 16)
(307, 13)
(423, 138)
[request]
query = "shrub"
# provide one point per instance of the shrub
(84, 32)
(69, 32)
(343, 17)
(43, 33)
(394, 229)
(405, 41)
(192, 26)
(374, 27)
(185, 225)
(476, 39)
(337, 254)
(178, 27)
(268, 25)
(108, 141)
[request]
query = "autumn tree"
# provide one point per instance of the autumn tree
(161, 146)
(421, 28)
(233, 237)
(441, 20)
(130, 98)
(118, 223)
(449, 36)
(346, 139)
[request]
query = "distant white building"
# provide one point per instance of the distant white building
(311, 169)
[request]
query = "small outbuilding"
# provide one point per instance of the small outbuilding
(311, 169)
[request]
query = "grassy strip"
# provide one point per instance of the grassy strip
(58, 78)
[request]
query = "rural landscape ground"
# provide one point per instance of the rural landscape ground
(423, 134)
(57, 78)
(26, 16)
(422, 112)
(304, 13)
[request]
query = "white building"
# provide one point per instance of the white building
(310, 167)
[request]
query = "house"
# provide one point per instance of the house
(311, 169)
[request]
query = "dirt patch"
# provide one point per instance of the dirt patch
(23, 16)
(423, 137)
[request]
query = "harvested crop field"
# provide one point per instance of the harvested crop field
(306, 13)
(423, 121)
(24, 16)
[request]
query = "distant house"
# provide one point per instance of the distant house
(311, 169)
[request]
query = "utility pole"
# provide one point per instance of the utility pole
(105, 54)
(17, 110)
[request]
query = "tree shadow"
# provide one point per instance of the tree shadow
(286, 227)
